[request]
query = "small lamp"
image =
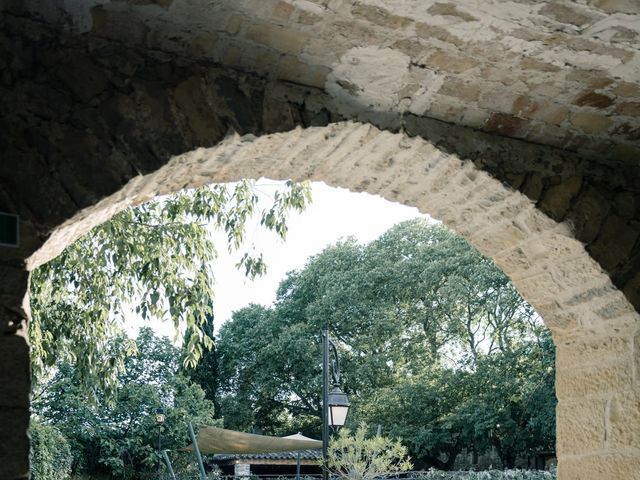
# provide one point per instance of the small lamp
(160, 416)
(338, 407)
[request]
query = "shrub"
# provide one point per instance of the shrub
(50, 454)
(485, 475)
(359, 458)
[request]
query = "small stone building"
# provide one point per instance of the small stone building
(269, 464)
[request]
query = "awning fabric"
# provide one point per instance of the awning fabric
(218, 440)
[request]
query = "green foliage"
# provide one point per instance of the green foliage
(50, 454)
(119, 435)
(506, 402)
(486, 475)
(435, 345)
(156, 256)
(357, 457)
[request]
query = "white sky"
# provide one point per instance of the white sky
(333, 214)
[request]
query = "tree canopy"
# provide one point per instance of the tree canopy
(118, 435)
(155, 258)
(436, 345)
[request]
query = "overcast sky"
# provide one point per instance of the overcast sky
(334, 213)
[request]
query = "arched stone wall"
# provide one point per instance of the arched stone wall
(542, 96)
(593, 325)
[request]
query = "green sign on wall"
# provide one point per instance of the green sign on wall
(8, 230)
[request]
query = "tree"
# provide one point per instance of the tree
(156, 256)
(430, 334)
(118, 435)
(357, 457)
(50, 455)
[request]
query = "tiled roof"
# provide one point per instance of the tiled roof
(304, 455)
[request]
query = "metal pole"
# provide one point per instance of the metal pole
(172, 475)
(159, 447)
(325, 401)
(196, 450)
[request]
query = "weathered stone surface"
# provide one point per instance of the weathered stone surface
(557, 198)
(450, 9)
(600, 466)
(623, 420)
(450, 63)
(453, 87)
(14, 443)
(576, 351)
(85, 114)
(615, 231)
(596, 380)
(588, 213)
(506, 124)
(590, 122)
(629, 108)
(580, 426)
(590, 98)
(380, 16)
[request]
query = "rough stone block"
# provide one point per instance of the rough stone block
(631, 109)
(615, 231)
(279, 38)
(282, 10)
(530, 63)
(538, 109)
(450, 10)
(564, 13)
(292, 69)
(380, 16)
(602, 466)
(506, 124)
(454, 63)
(616, 6)
(626, 89)
(623, 420)
(594, 380)
(588, 213)
(456, 87)
(14, 443)
(426, 31)
(234, 23)
(533, 186)
(589, 98)
(557, 198)
(15, 376)
(574, 351)
(580, 426)
(590, 122)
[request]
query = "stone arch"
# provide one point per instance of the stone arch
(593, 324)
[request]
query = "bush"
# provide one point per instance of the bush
(485, 475)
(50, 454)
(359, 458)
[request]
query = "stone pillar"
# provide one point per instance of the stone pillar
(242, 470)
(15, 380)
(598, 413)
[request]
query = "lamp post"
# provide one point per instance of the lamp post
(159, 421)
(335, 404)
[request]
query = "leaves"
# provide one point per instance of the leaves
(435, 345)
(119, 435)
(155, 258)
(357, 457)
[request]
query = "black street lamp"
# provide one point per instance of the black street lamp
(335, 404)
(159, 421)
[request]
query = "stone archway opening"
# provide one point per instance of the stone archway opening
(593, 325)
